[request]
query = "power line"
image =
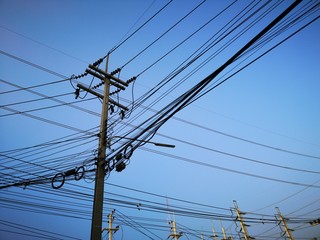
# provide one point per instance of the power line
(49, 98)
(157, 39)
(36, 100)
(228, 169)
(45, 108)
(289, 196)
(241, 157)
(257, 58)
(45, 120)
(38, 231)
(33, 65)
(27, 88)
(185, 40)
(145, 23)
(43, 44)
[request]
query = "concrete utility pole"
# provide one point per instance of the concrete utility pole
(174, 235)
(284, 224)
(243, 225)
(214, 236)
(224, 233)
(110, 229)
(97, 212)
(107, 79)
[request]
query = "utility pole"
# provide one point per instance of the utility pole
(224, 233)
(107, 79)
(174, 235)
(287, 230)
(243, 225)
(214, 236)
(97, 212)
(110, 229)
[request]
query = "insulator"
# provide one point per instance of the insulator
(115, 92)
(131, 80)
(115, 71)
(98, 85)
(98, 62)
(79, 76)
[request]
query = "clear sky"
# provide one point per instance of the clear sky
(255, 138)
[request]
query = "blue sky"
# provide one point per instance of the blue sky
(254, 139)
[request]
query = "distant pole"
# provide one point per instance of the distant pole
(243, 225)
(175, 235)
(224, 233)
(110, 229)
(215, 237)
(287, 230)
(110, 226)
(97, 212)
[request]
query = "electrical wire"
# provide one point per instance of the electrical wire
(50, 98)
(228, 169)
(150, 206)
(46, 108)
(41, 232)
(43, 44)
(36, 100)
(44, 120)
(163, 34)
(34, 65)
(144, 24)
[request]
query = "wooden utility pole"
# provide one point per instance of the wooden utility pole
(284, 224)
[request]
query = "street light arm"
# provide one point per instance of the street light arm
(144, 141)
(163, 145)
